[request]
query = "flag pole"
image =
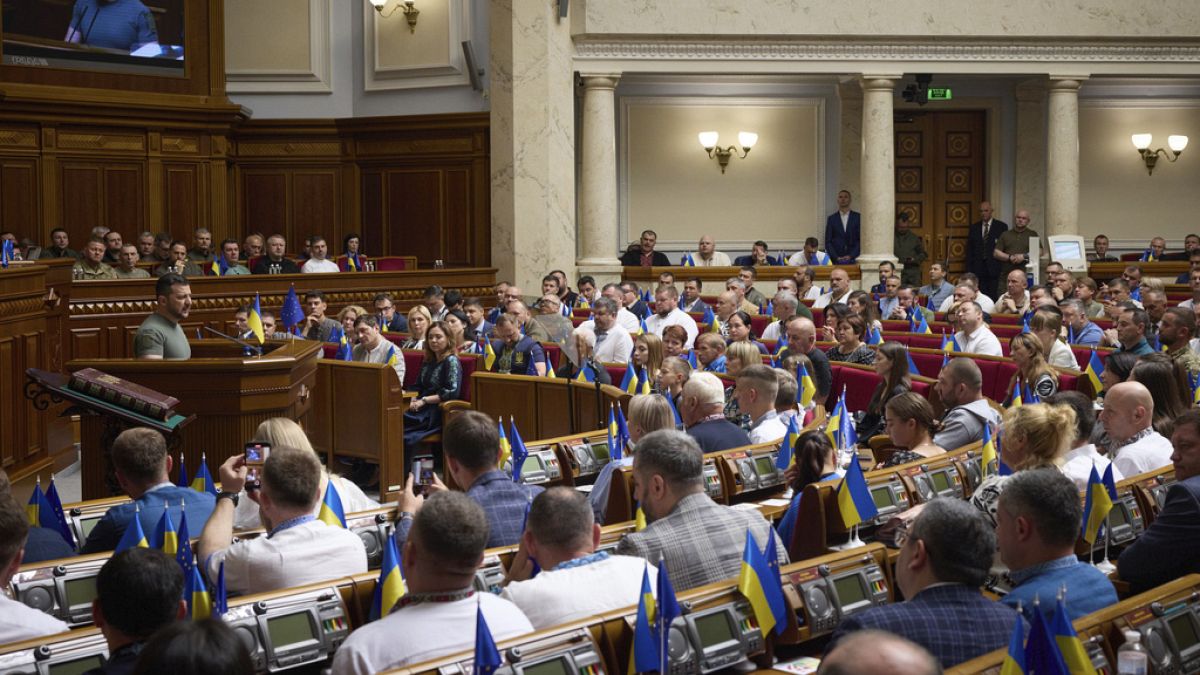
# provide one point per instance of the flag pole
(662, 628)
(1107, 567)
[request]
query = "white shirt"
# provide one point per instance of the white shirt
(314, 265)
(718, 260)
(558, 596)
(828, 299)
(627, 320)
(771, 332)
(983, 341)
(1079, 463)
(304, 554)
(1062, 356)
(380, 354)
(985, 303)
(812, 293)
(767, 428)
(1189, 303)
(21, 622)
(655, 324)
(427, 630)
(245, 517)
(799, 258)
(1149, 453)
(616, 346)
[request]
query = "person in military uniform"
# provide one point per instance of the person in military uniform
(1012, 248)
(910, 251)
(515, 353)
(92, 265)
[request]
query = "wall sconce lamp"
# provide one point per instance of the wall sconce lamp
(708, 140)
(407, 6)
(1150, 157)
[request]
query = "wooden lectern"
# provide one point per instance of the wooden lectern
(228, 392)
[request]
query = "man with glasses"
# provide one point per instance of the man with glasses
(389, 320)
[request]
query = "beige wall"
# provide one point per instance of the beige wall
(1117, 196)
(668, 184)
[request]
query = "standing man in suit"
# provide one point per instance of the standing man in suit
(842, 230)
(981, 244)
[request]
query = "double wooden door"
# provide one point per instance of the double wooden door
(940, 167)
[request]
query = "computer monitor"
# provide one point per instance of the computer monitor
(1068, 250)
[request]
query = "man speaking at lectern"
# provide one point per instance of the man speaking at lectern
(160, 336)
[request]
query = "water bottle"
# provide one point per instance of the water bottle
(1131, 657)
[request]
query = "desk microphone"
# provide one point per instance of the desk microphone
(255, 349)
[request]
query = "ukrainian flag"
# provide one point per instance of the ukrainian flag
(645, 641)
(40, 512)
(854, 497)
(762, 588)
(643, 382)
(199, 600)
(1016, 395)
(688, 261)
(505, 446)
(352, 263)
(582, 303)
(332, 513)
(203, 482)
(345, 352)
(1109, 484)
(785, 458)
(392, 356)
(642, 330)
(390, 587)
(639, 519)
(807, 389)
(1095, 368)
(489, 355)
(629, 381)
(989, 451)
(1097, 504)
(834, 424)
(1014, 660)
(135, 536)
(874, 337)
(586, 374)
(1074, 655)
(166, 537)
(612, 422)
(692, 360)
(255, 320)
(921, 325)
(912, 366)
(949, 343)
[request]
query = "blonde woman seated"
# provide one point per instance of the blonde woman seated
(647, 412)
(282, 432)
(347, 317)
(737, 356)
(911, 424)
(419, 319)
(1033, 373)
(1046, 323)
(648, 354)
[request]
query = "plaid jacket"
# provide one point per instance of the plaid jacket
(502, 500)
(954, 622)
(700, 540)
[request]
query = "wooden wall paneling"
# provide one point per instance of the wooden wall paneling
(82, 201)
(10, 392)
(23, 312)
(316, 207)
(264, 201)
(124, 197)
(457, 224)
(374, 205)
(181, 198)
(415, 219)
(19, 206)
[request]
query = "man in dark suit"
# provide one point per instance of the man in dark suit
(1170, 547)
(842, 231)
(944, 558)
(758, 256)
(642, 254)
(981, 244)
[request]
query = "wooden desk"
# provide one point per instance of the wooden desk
(1169, 270)
(647, 277)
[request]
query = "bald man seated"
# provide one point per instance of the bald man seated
(1128, 417)
(877, 652)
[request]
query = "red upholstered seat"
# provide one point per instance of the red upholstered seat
(390, 263)
(1006, 333)
(396, 338)
(581, 312)
(928, 363)
(616, 372)
(413, 358)
(553, 353)
(759, 323)
(1131, 257)
(470, 363)
(329, 350)
(859, 386)
(922, 388)
(1084, 354)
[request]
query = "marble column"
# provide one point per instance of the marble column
(598, 179)
(850, 166)
(533, 143)
(1029, 183)
(1062, 156)
(878, 171)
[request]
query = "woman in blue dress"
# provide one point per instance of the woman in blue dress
(439, 380)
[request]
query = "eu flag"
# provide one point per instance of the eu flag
(519, 452)
(487, 657)
(623, 436)
(1042, 655)
(60, 517)
(183, 554)
(292, 313)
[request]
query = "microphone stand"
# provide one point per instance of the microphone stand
(256, 349)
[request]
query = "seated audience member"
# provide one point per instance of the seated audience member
(372, 347)
(667, 313)
(839, 289)
(1046, 324)
(1082, 456)
(471, 442)
(18, 621)
(138, 592)
(1035, 436)
(642, 254)
(230, 260)
(1085, 292)
(389, 320)
(346, 319)
(275, 260)
(283, 432)
(809, 255)
(802, 340)
(738, 356)
(178, 263)
(40, 543)
(434, 618)
(727, 305)
(974, 337)
(740, 330)
(862, 304)
(588, 291)
(876, 652)
(966, 290)
(1193, 281)
(143, 470)
(815, 462)
(1128, 418)
(891, 365)
(112, 245)
(1042, 296)
(959, 386)
(673, 338)
(529, 328)
(1033, 375)
(352, 251)
(566, 296)
(439, 380)
(691, 300)
(435, 301)
(195, 648)
(850, 347)
(319, 261)
(756, 390)
(785, 397)
(580, 350)
(613, 342)
(707, 254)
(1193, 258)
(61, 248)
(758, 256)
(268, 322)
(625, 317)
(201, 250)
(887, 299)
(1100, 250)
(833, 314)
(710, 353)
(1080, 329)
(805, 288)
(945, 555)
(515, 353)
(1170, 547)
(316, 325)
(938, 289)
(576, 581)
(298, 549)
(911, 425)
(887, 268)
(702, 408)
(1015, 299)
(556, 326)
(647, 355)
(786, 305)
(91, 263)
(1175, 333)
(252, 247)
(748, 275)
(1168, 387)
(671, 377)
(419, 319)
(647, 413)
(700, 541)
(127, 262)
(1037, 522)
(478, 327)
(455, 324)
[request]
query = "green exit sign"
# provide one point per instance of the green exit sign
(940, 95)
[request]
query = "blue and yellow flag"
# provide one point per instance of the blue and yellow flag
(847, 432)
(255, 321)
(1096, 506)
(693, 360)
(219, 266)
(786, 458)
(1136, 293)
(919, 325)
(629, 381)
(345, 352)
(134, 536)
(203, 482)
(489, 355)
(949, 343)
(332, 513)
(642, 330)
(505, 446)
(639, 519)
(40, 513)
(854, 497)
(393, 356)
(166, 538)
(199, 600)
(762, 588)
(1014, 660)
(1194, 381)
(1110, 485)
(612, 422)
(1074, 655)
(1147, 256)
(988, 452)
(645, 652)
(487, 657)
(688, 261)
(912, 366)
(643, 382)
(622, 428)
(806, 389)
(674, 410)
(353, 263)
(1041, 649)
(1016, 394)
(586, 373)
(7, 253)
(1095, 368)
(519, 452)
(833, 426)
(390, 587)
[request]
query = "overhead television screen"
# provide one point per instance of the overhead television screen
(122, 36)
